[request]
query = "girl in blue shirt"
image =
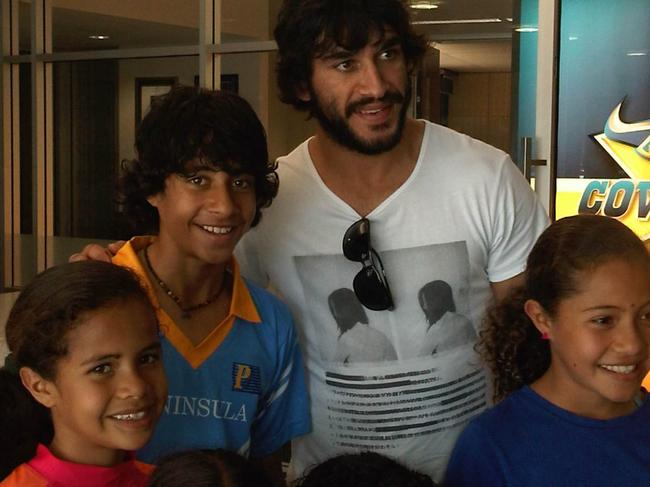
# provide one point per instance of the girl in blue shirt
(568, 352)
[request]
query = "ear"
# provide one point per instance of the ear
(539, 316)
(302, 93)
(154, 199)
(411, 68)
(43, 390)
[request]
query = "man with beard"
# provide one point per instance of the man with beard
(439, 203)
(422, 188)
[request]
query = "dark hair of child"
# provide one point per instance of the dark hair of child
(51, 305)
(218, 127)
(308, 29)
(509, 342)
(207, 468)
(366, 469)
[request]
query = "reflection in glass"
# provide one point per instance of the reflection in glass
(25, 107)
(94, 112)
(248, 20)
(105, 24)
(255, 74)
(24, 27)
(24, 244)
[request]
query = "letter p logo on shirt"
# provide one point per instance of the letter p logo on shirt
(246, 378)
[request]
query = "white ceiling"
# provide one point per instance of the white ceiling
(484, 56)
(470, 47)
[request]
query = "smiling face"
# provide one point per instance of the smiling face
(360, 98)
(110, 388)
(599, 340)
(205, 212)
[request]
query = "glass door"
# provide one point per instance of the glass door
(496, 63)
(534, 68)
(603, 127)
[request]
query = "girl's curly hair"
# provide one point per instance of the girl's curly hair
(509, 342)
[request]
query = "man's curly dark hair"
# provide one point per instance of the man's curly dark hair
(308, 29)
(218, 127)
(563, 255)
(365, 469)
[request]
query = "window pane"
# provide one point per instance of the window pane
(255, 72)
(95, 114)
(107, 24)
(26, 184)
(603, 107)
(24, 256)
(248, 20)
(24, 27)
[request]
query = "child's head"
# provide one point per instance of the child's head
(190, 129)
(207, 468)
(583, 314)
(84, 342)
(366, 469)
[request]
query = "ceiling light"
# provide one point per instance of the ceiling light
(423, 6)
(637, 53)
(573, 38)
(526, 29)
(457, 21)
(99, 37)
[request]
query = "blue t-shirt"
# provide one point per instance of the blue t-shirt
(242, 388)
(527, 441)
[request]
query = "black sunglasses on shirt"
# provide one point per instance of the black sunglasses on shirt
(370, 284)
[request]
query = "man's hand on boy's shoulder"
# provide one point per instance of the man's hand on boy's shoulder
(97, 252)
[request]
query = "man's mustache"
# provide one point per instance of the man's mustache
(389, 97)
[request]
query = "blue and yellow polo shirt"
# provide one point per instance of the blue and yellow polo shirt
(242, 388)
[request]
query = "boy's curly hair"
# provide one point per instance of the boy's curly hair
(218, 127)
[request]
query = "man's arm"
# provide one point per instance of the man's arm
(97, 252)
(502, 289)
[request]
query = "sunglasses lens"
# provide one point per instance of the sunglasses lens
(370, 283)
(370, 291)
(356, 241)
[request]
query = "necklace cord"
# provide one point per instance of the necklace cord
(186, 310)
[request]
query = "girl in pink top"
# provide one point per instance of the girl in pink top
(84, 384)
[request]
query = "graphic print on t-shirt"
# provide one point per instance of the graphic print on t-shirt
(387, 378)
(430, 287)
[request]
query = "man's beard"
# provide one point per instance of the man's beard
(339, 130)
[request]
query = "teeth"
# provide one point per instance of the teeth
(216, 230)
(130, 416)
(371, 112)
(620, 369)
